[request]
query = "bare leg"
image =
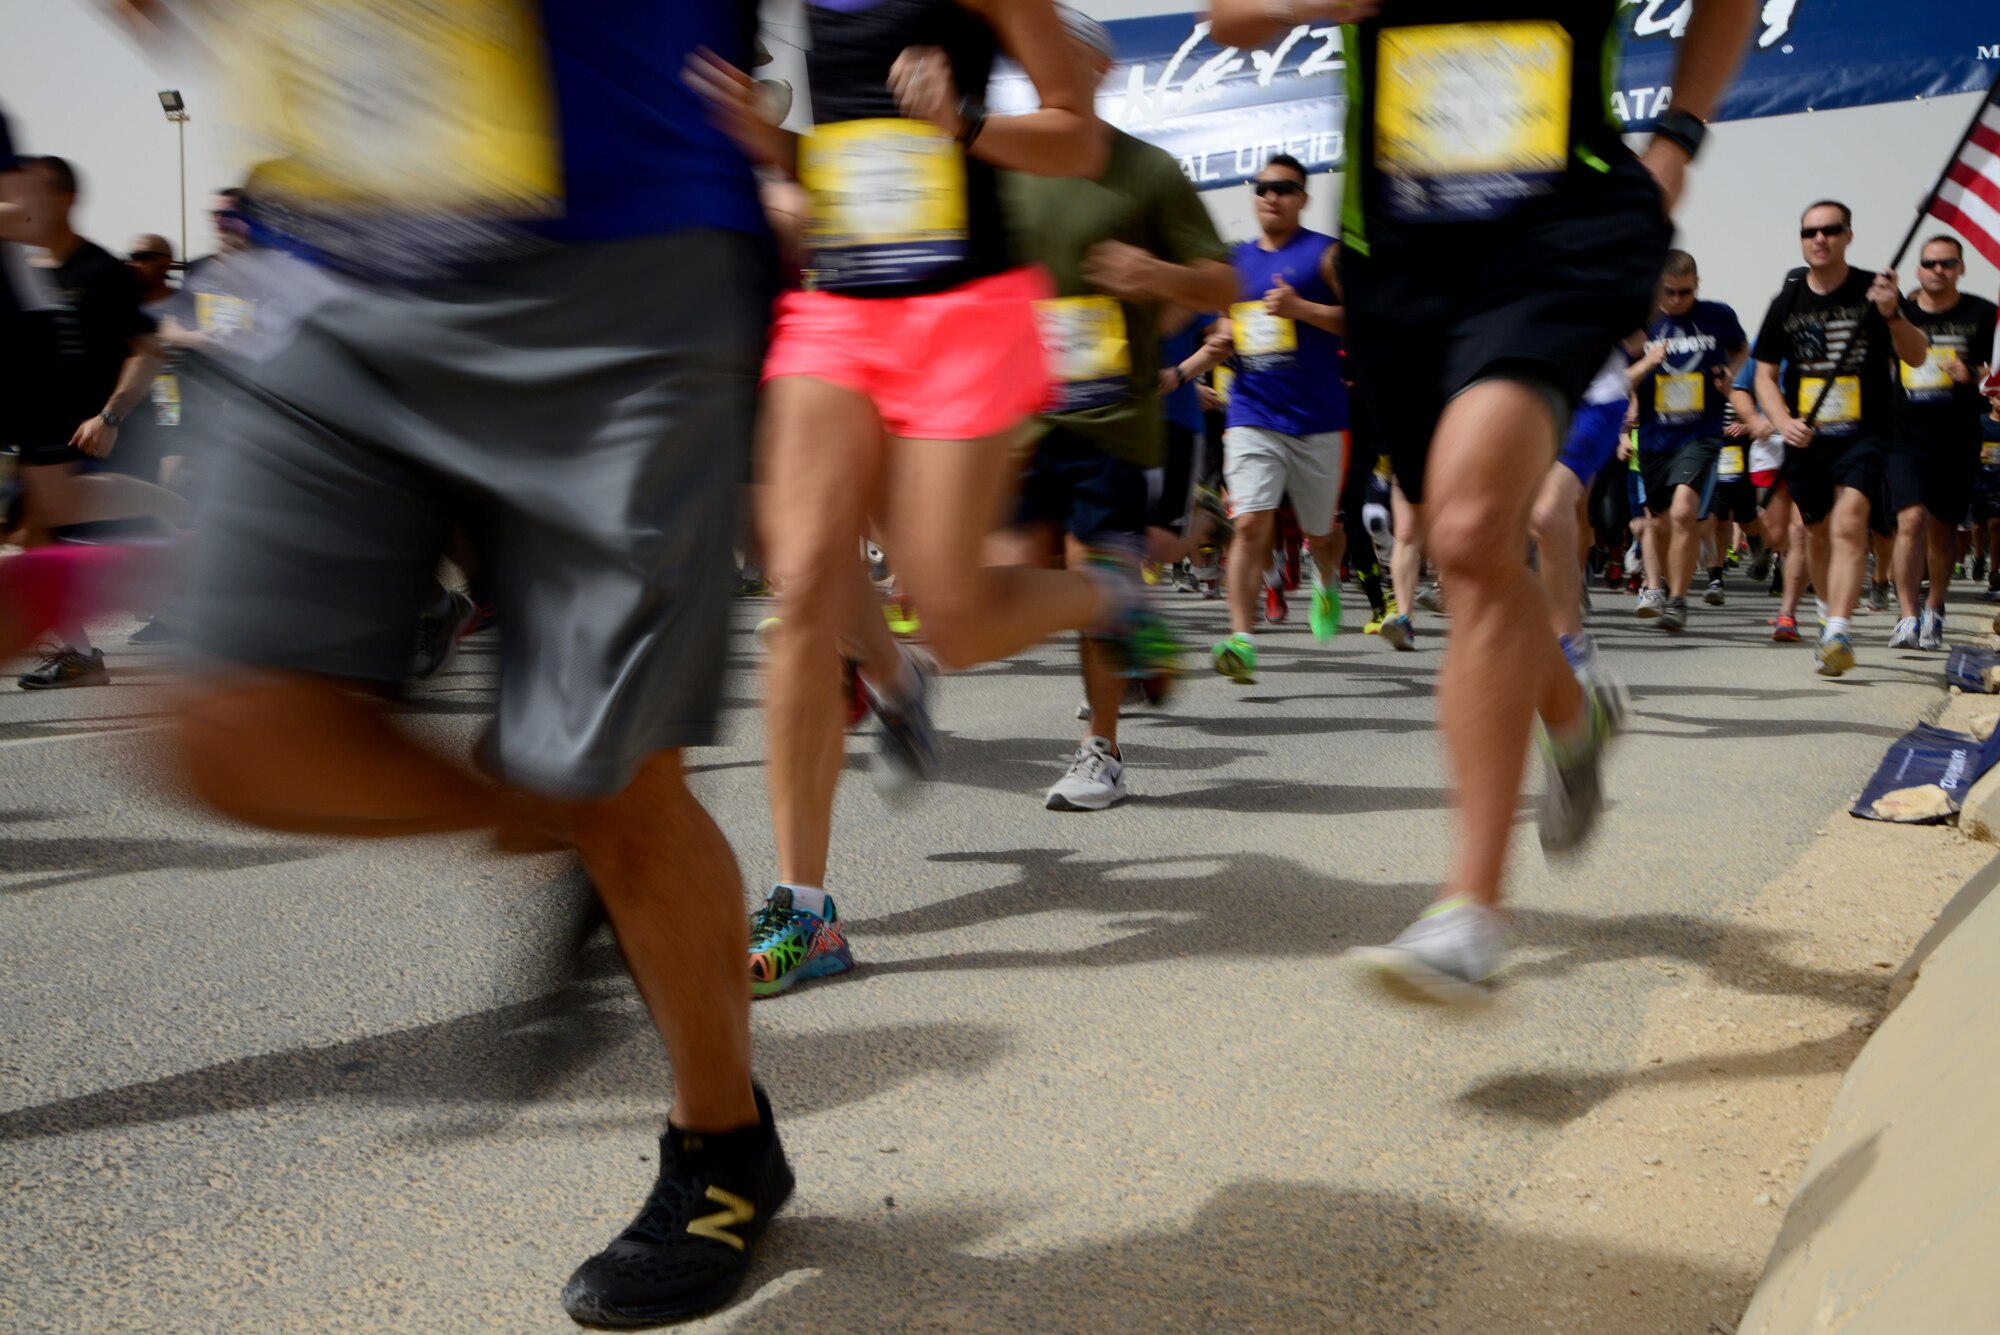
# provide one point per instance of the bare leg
(1249, 552)
(1490, 456)
(1943, 553)
(1406, 563)
(1556, 528)
(1683, 542)
(1652, 551)
(1327, 549)
(1846, 546)
(1909, 557)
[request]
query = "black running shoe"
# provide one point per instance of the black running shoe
(62, 666)
(159, 630)
(690, 1247)
(438, 634)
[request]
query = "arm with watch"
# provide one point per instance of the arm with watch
(96, 436)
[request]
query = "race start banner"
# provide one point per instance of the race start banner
(1223, 111)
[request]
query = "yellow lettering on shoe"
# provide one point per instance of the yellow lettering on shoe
(735, 1213)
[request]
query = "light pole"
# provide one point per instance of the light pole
(176, 109)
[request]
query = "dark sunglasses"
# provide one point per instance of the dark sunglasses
(1278, 188)
(1676, 291)
(1832, 229)
(141, 256)
(1938, 264)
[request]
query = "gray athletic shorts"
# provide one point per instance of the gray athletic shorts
(1260, 466)
(585, 412)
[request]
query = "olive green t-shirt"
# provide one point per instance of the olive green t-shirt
(1142, 199)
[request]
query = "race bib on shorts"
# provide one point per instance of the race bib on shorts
(1088, 352)
(1678, 397)
(1840, 414)
(1729, 465)
(217, 313)
(1931, 382)
(166, 400)
(1264, 342)
(444, 107)
(1471, 119)
(888, 203)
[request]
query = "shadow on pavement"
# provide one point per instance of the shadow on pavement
(1257, 1255)
(74, 861)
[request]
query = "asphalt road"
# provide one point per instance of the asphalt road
(1095, 1072)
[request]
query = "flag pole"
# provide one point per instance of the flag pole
(1916, 225)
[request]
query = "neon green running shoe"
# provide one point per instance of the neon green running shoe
(1236, 659)
(1325, 615)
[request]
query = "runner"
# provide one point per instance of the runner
(1933, 464)
(1118, 244)
(1986, 495)
(1485, 292)
(88, 364)
(906, 372)
(598, 424)
(1835, 330)
(1558, 521)
(1693, 350)
(1287, 432)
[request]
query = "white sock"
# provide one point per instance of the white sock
(1835, 626)
(807, 898)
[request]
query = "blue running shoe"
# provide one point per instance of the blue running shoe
(910, 743)
(789, 945)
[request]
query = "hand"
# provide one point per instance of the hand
(1206, 395)
(1958, 370)
(1656, 352)
(95, 437)
(1888, 297)
(1667, 161)
(1761, 427)
(1284, 301)
(1724, 381)
(735, 107)
(1624, 449)
(925, 91)
(1796, 433)
(1170, 379)
(1736, 430)
(1121, 271)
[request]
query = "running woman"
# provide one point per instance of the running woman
(1836, 331)
(897, 386)
(1693, 350)
(551, 327)
(1287, 432)
(1486, 282)
(1934, 461)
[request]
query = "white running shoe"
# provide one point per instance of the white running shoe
(1905, 634)
(1930, 634)
(1096, 780)
(1652, 603)
(1449, 954)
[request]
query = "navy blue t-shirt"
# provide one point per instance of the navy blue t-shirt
(1183, 406)
(1679, 401)
(1287, 372)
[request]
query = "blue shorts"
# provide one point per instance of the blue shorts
(1075, 486)
(1593, 440)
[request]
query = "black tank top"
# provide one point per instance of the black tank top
(864, 240)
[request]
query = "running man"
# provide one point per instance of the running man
(1933, 463)
(1118, 245)
(596, 428)
(1836, 331)
(1483, 294)
(1693, 350)
(1558, 522)
(1287, 432)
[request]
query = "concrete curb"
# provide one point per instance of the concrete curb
(1894, 1226)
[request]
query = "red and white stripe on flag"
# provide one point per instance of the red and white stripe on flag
(1969, 197)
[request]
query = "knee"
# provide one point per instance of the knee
(1469, 540)
(1255, 530)
(1910, 523)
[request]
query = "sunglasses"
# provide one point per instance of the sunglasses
(1278, 188)
(1676, 291)
(1831, 230)
(141, 256)
(1938, 264)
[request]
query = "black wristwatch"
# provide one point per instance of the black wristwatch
(1683, 128)
(972, 119)
(110, 418)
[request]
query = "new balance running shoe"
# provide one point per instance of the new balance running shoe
(789, 945)
(1236, 659)
(1448, 955)
(691, 1244)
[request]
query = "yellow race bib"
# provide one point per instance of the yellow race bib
(1989, 453)
(1088, 351)
(1730, 463)
(444, 106)
(888, 202)
(1932, 381)
(1262, 339)
(1842, 409)
(1470, 118)
(216, 313)
(166, 400)
(1222, 382)
(1679, 395)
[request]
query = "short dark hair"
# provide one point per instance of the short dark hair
(231, 192)
(60, 169)
(1951, 241)
(1290, 163)
(1679, 264)
(1846, 214)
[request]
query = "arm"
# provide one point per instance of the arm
(1639, 372)
(1217, 349)
(1254, 22)
(1716, 36)
(1911, 343)
(1284, 301)
(1771, 398)
(1131, 274)
(135, 378)
(1064, 138)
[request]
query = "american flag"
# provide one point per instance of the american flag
(1968, 194)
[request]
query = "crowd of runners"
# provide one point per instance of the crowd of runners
(943, 385)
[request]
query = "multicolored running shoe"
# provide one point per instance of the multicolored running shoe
(789, 945)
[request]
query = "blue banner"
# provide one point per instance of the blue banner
(1222, 111)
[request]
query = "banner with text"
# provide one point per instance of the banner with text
(1222, 111)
